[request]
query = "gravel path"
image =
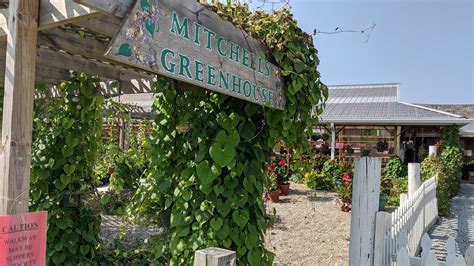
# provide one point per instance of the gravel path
(114, 228)
(310, 229)
(460, 225)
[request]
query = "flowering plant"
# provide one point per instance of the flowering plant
(344, 192)
(279, 167)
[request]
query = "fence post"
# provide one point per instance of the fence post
(365, 205)
(403, 198)
(432, 150)
(414, 179)
(382, 230)
(214, 257)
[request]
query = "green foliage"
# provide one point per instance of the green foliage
(452, 160)
(447, 168)
(210, 175)
(395, 187)
(67, 134)
(450, 137)
(395, 168)
(394, 180)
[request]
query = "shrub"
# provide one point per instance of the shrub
(397, 187)
(452, 161)
(395, 168)
(446, 168)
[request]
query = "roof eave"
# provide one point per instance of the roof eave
(396, 122)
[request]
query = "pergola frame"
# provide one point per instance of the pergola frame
(41, 41)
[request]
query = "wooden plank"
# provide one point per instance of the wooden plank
(186, 41)
(59, 59)
(104, 25)
(54, 13)
(118, 8)
(381, 235)
(15, 150)
(73, 43)
(365, 199)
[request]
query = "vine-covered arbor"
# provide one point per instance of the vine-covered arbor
(210, 174)
(68, 36)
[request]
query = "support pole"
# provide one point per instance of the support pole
(15, 149)
(333, 141)
(414, 180)
(397, 140)
(365, 205)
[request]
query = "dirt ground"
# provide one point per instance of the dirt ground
(310, 229)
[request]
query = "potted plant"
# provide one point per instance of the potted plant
(316, 137)
(284, 184)
(271, 189)
(385, 187)
(344, 193)
(325, 136)
(365, 152)
(349, 149)
(410, 145)
(382, 145)
(279, 167)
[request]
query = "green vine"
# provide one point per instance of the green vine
(67, 134)
(210, 151)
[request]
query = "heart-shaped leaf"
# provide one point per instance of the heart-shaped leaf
(227, 122)
(249, 184)
(223, 207)
(241, 217)
(124, 50)
(222, 154)
(72, 141)
(227, 243)
(218, 189)
(69, 169)
(150, 26)
(67, 151)
(204, 173)
(233, 138)
(223, 233)
(216, 223)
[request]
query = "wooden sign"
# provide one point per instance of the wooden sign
(23, 239)
(187, 42)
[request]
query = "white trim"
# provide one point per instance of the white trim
(396, 122)
(364, 86)
(433, 110)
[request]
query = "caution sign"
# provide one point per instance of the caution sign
(23, 239)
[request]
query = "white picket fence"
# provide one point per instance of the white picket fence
(415, 216)
(428, 257)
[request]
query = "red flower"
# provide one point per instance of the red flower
(282, 162)
(272, 158)
(271, 168)
(346, 179)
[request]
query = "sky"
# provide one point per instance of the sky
(425, 45)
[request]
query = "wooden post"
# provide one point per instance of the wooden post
(397, 140)
(333, 141)
(214, 257)
(365, 205)
(15, 149)
(414, 180)
(382, 233)
(403, 198)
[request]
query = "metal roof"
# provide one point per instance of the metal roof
(379, 104)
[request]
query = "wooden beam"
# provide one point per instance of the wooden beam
(54, 13)
(15, 149)
(105, 25)
(118, 8)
